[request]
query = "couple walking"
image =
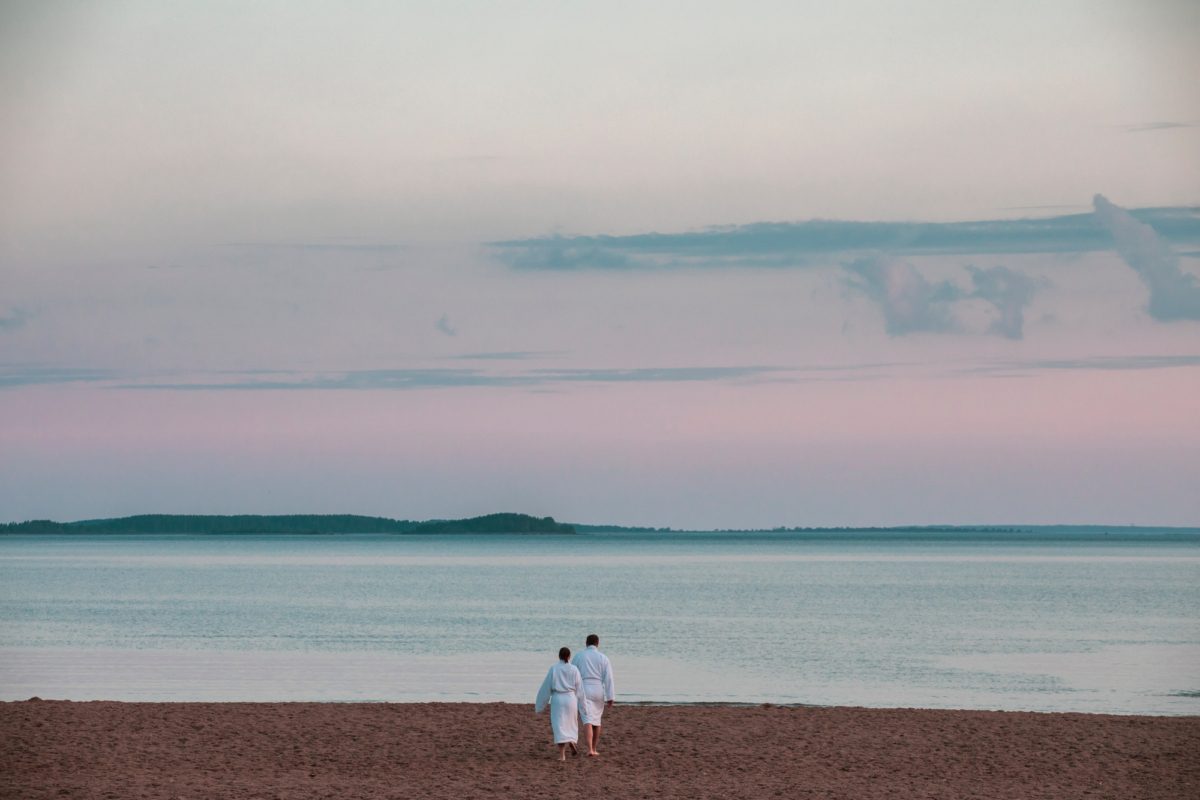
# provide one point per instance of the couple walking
(577, 692)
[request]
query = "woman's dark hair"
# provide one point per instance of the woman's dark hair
(564, 654)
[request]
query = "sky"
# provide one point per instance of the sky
(675, 264)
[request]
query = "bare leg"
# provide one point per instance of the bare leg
(562, 751)
(590, 739)
(596, 740)
(574, 749)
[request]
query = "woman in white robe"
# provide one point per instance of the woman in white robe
(560, 690)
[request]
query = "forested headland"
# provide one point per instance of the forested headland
(291, 524)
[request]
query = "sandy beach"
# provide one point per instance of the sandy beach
(452, 750)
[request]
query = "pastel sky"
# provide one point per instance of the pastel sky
(679, 264)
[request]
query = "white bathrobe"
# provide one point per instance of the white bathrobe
(561, 691)
(597, 684)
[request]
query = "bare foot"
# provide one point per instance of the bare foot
(574, 749)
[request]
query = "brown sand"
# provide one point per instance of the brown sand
(459, 750)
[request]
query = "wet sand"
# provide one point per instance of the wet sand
(460, 750)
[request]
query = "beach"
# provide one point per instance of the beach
(452, 750)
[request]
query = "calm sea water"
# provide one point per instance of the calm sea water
(1083, 622)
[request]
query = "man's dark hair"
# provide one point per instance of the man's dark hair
(593, 639)
(564, 654)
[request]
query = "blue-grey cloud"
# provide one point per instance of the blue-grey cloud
(272, 380)
(792, 244)
(443, 325)
(266, 380)
(16, 375)
(1094, 363)
(1009, 292)
(560, 253)
(14, 319)
(910, 303)
(1174, 294)
(1157, 126)
(654, 374)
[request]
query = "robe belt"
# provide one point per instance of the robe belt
(562, 691)
(597, 680)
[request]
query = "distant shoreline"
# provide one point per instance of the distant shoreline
(650, 704)
(516, 524)
(291, 525)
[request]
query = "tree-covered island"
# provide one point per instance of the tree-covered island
(292, 524)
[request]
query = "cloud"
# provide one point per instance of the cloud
(1157, 126)
(13, 376)
(14, 319)
(449, 378)
(354, 379)
(910, 303)
(1009, 292)
(799, 244)
(1101, 363)
(16, 376)
(1174, 294)
(443, 325)
(563, 254)
(654, 374)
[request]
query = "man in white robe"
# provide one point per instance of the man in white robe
(598, 692)
(561, 690)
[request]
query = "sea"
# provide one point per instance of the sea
(1101, 620)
